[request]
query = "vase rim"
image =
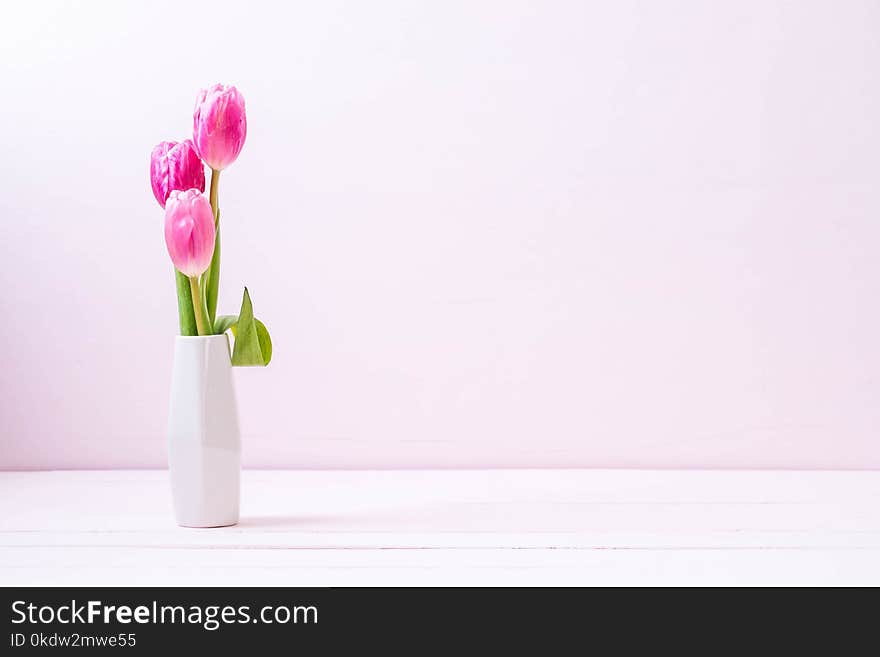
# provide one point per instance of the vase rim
(199, 337)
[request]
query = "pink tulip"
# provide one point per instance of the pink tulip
(189, 231)
(175, 166)
(219, 125)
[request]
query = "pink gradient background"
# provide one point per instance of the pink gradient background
(482, 234)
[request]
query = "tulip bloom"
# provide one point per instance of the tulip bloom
(219, 131)
(189, 236)
(219, 125)
(175, 166)
(189, 231)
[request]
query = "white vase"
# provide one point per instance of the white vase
(204, 446)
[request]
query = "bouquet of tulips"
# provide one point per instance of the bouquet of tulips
(192, 221)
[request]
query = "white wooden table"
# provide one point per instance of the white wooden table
(501, 527)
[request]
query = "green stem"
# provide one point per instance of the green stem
(212, 285)
(215, 183)
(199, 307)
(185, 305)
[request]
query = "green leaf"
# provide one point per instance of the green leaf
(253, 346)
(185, 312)
(224, 323)
(265, 341)
(212, 278)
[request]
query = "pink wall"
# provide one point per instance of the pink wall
(482, 234)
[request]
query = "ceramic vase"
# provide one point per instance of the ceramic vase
(204, 445)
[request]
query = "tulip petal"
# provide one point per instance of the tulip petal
(219, 125)
(189, 231)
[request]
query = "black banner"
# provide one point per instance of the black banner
(147, 620)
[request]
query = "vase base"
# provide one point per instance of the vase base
(207, 525)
